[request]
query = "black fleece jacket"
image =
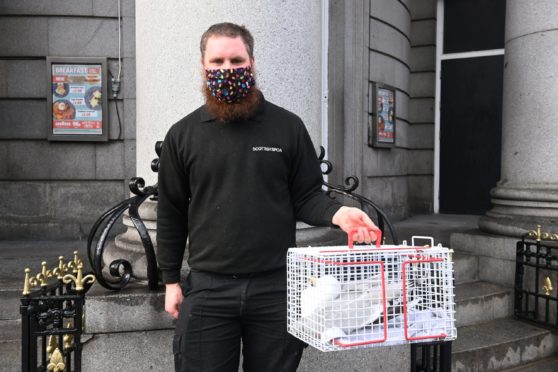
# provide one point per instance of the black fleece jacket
(236, 191)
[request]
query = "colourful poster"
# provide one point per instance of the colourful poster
(386, 115)
(77, 99)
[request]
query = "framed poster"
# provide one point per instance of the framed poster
(77, 99)
(381, 131)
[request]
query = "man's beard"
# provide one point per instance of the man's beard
(227, 112)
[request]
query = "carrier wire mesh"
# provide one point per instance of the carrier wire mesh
(341, 298)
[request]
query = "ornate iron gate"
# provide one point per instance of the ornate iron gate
(53, 317)
(535, 274)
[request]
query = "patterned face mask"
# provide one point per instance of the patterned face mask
(230, 85)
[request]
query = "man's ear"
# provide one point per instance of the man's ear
(202, 68)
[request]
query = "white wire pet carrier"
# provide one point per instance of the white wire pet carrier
(343, 298)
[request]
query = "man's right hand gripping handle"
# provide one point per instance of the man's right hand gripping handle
(173, 299)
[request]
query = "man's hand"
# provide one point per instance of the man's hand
(349, 219)
(173, 299)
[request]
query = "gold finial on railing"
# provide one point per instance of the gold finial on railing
(79, 280)
(56, 362)
(52, 345)
(27, 282)
(547, 287)
(73, 265)
(61, 269)
(539, 235)
(536, 234)
(68, 339)
(42, 277)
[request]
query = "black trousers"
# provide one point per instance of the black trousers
(220, 311)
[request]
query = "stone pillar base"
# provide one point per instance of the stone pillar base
(520, 209)
(128, 245)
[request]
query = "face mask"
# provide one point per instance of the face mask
(230, 85)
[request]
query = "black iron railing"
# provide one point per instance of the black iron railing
(53, 317)
(120, 270)
(536, 272)
(431, 357)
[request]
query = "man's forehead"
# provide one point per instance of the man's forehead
(220, 40)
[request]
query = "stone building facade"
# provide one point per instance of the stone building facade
(58, 189)
(55, 190)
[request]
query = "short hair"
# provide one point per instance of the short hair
(230, 30)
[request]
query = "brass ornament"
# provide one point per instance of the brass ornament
(547, 287)
(61, 269)
(68, 339)
(73, 265)
(39, 279)
(79, 280)
(52, 345)
(27, 282)
(42, 277)
(56, 362)
(539, 235)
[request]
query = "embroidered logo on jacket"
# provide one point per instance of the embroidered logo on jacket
(268, 149)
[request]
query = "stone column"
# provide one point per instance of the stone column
(168, 74)
(287, 51)
(527, 193)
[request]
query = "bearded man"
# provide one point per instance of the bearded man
(235, 176)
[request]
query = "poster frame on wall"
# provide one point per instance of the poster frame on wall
(74, 132)
(378, 133)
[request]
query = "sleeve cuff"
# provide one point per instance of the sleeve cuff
(330, 212)
(171, 276)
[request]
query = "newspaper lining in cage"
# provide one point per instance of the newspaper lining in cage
(342, 298)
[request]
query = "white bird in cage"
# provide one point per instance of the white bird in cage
(323, 290)
(350, 305)
(360, 304)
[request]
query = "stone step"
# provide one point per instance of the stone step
(466, 268)
(499, 344)
(543, 365)
(480, 302)
(496, 254)
(133, 309)
(138, 309)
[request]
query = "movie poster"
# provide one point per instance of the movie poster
(77, 101)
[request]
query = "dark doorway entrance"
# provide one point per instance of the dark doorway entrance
(470, 133)
(470, 104)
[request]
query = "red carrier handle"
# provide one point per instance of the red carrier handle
(376, 232)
